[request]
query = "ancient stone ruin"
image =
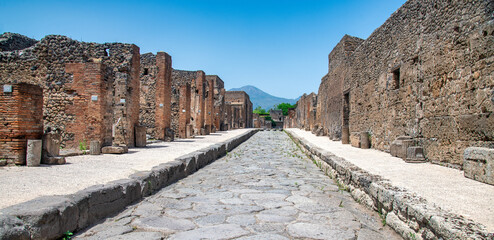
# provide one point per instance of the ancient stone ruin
(238, 110)
(421, 86)
(100, 98)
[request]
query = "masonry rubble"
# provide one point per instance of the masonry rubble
(85, 95)
(421, 87)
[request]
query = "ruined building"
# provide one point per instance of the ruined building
(155, 98)
(424, 78)
(238, 112)
(89, 91)
(104, 93)
(219, 102)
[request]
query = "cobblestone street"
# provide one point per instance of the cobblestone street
(264, 189)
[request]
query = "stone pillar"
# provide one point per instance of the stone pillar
(200, 86)
(184, 110)
(51, 144)
(210, 106)
(364, 140)
(345, 135)
(33, 153)
(140, 134)
(95, 148)
(163, 95)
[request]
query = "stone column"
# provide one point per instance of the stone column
(345, 135)
(210, 106)
(140, 134)
(33, 153)
(95, 148)
(364, 140)
(184, 110)
(200, 86)
(163, 95)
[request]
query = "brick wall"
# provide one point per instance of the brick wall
(21, 119)
(89, 104)
(209, 115)
(163, 94)
(184, 111)
(199, 108)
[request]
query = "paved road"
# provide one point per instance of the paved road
(264, 189)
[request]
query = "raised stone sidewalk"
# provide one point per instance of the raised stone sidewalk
(44, 202)
(419, 200)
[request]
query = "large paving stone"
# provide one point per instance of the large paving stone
(223, 231)
(318, 231)
(163, 224)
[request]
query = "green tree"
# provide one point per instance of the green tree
(284, 107)
(260, 111)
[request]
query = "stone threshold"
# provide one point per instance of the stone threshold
(410, 215)
(49, 217)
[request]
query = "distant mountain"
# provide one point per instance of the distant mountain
(263, 99)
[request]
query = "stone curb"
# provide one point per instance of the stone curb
(49, 217)
(406, 212)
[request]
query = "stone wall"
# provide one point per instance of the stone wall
(15, 41)
(198, 99)
(426, 73)
(239, 101)
(306, 111)
(179, 78)
(48, 64)
(155, 101)
(148, 76)
(21, 119)
(219, 101)
(330, 94)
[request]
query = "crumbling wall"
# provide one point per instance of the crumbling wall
(148, 76)
(15, 41)
(44, 64)
(219, 101)
(155, 99)
(180, 78)
(306, 111)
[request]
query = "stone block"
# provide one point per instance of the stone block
(189, 131)
(140, 135)
(54, 160)
(355, 139)
(364, 140)
(114, 150)
(13, 228)
(415, 155)
(478, 164)
(169, 135)
(400, 145)
(51, 144)
(95, 148)
(33, 153)
(345, 135)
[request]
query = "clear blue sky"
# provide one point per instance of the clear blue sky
(279, 46)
